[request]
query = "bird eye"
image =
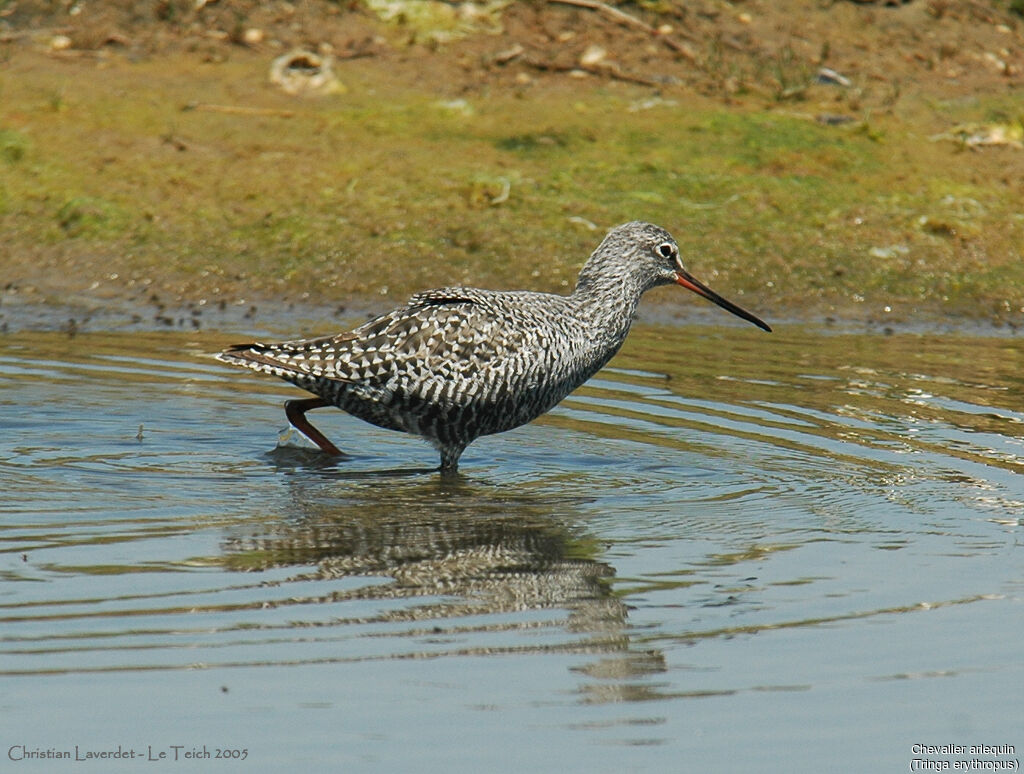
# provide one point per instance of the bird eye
(666, 250)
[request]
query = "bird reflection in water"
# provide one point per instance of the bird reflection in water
(466, 557)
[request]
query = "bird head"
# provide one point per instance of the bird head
(651, 253)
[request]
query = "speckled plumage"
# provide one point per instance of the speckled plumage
(457, 363)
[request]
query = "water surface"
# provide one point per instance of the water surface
(730, 551)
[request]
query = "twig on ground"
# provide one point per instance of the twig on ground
(610, 70)
(243, 110)
(683, 49)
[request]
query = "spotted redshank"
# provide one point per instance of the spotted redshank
(458, 363)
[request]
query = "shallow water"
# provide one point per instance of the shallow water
(729, 552)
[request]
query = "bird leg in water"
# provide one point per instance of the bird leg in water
(296, 410)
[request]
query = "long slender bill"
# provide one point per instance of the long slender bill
(687, 281)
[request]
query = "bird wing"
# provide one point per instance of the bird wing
(444, 333)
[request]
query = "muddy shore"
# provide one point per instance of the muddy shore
(847, 161)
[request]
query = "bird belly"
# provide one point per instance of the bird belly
(448, 410)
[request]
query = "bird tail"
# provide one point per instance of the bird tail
(264, 358)
(300, 362)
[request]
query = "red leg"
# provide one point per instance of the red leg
(296, 410)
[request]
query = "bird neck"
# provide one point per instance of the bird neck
(606, 302)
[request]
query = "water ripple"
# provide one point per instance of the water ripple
(737, 517)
